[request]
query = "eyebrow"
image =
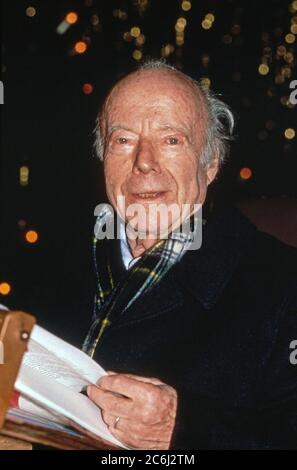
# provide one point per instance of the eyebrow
(118, 127)
(165, 127)
(172, 128)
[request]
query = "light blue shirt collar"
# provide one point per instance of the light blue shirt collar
(127, 256)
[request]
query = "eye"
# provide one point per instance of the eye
(172, 140)
(122, 140)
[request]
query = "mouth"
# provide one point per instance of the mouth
(149, 195)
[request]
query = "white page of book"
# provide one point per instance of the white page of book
(29, 406)
(61, 400)
(60, 360)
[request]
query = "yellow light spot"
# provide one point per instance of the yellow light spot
(31, 236)
(210, 17)
(137, 55)
(180, 25)
(71, 17)
(30, 11)
(263, 69)
(205, 82)
(294, 5)
(290, 133)
(186, 5)
(180, 39)
(245, 173)
(24, 175)
(167, 50)
(80, 47)
(182, 21)
(5, 288)
(290, 38)
(135, 31)
(206, 24)
(294, 28)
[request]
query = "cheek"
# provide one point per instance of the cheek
(186, 176)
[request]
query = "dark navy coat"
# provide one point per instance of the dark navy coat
(218, 328)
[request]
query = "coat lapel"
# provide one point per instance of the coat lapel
(204, 273)
(207, 271)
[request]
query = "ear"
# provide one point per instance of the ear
(212, 169)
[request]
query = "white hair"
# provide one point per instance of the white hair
(220, 120)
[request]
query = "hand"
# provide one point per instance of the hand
(147, 410)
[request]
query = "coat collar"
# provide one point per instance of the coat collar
(206, 272)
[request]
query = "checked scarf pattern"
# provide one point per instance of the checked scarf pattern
(113, 298)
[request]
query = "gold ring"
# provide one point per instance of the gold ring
(116, 422)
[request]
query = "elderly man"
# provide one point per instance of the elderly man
(197, 342)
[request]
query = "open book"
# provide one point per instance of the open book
(52, 375)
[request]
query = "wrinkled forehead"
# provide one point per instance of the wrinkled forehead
(154, 92)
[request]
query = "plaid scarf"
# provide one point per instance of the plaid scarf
(114, 297)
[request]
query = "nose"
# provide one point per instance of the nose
(146, 159)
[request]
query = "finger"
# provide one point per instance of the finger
(109, 419)
(120, 395)
(110, 403)
(151, 380)
(127, 386)
(112, 421)
(125, 407)
(156, 432)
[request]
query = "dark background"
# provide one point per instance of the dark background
(47, 124)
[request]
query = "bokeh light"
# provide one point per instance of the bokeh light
(137, 54)
(80, 47)
(31, 236)
(290, 133)
(5, 288)
(24, 175)
(135, 31)
(245, 173)
(263, 69)
(206, 24)
(72, 17)
(30, 11)
(290, 38)
(87, 88)
(186, 5)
